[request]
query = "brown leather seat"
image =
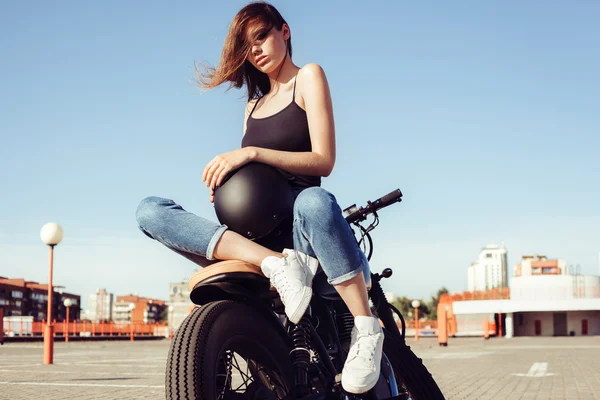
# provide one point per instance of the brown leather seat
(320, 284)
(223, 267)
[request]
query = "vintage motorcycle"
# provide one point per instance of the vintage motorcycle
(238, 343)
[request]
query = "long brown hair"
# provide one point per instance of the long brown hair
(248, 25)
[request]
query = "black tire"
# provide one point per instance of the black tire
(409, 370)
(201, 349)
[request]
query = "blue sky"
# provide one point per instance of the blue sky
(485, 114)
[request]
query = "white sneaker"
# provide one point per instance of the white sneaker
(362, 367)
(292, 277)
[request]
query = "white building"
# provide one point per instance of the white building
(180, 304)
(489, 271)
(100, 306)
(544, 301)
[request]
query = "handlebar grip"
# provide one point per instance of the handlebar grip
(362, 213)
(388, 199)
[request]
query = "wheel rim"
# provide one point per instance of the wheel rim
(240, 376)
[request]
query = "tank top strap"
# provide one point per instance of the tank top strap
(294, 92)
(253, 108)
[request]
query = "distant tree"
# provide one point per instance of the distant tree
(404, 305)
(164, 315)
(435, 300)
(425, 309)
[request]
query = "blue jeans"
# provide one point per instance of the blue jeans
(319, 230)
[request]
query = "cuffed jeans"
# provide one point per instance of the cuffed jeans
(319, 230)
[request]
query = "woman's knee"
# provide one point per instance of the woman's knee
(315, 201)
(149, 209)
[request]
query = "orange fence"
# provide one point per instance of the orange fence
(427, 324)
(85, 329)
(492, 294)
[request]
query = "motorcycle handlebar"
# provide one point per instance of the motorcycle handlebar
(371, 207)
(387, 200)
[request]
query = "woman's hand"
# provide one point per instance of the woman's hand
(218, 168)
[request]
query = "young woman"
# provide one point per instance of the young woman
(289, 125)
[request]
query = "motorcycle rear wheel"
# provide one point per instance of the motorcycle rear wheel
(228, 350)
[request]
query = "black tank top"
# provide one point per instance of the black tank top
(286, 130)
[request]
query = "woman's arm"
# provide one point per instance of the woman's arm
(319, 111)
(318, 162)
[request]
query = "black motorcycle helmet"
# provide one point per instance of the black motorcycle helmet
(256, 201)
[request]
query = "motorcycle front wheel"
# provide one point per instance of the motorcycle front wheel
(413, 379)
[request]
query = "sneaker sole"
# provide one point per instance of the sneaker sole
(299, 313)
(356, 389)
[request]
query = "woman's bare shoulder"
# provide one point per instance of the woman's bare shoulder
(312, 71)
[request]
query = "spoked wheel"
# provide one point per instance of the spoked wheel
(228, 350)
(413, 380)
(238, 378)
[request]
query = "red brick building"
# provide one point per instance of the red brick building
(19, 297)
(136, 309)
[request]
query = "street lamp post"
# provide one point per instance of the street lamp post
(416, 304)
(51, 234)
(68, 303)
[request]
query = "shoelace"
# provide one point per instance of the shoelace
(364, 349)
(279, 279)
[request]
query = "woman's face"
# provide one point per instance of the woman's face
(269, 49)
